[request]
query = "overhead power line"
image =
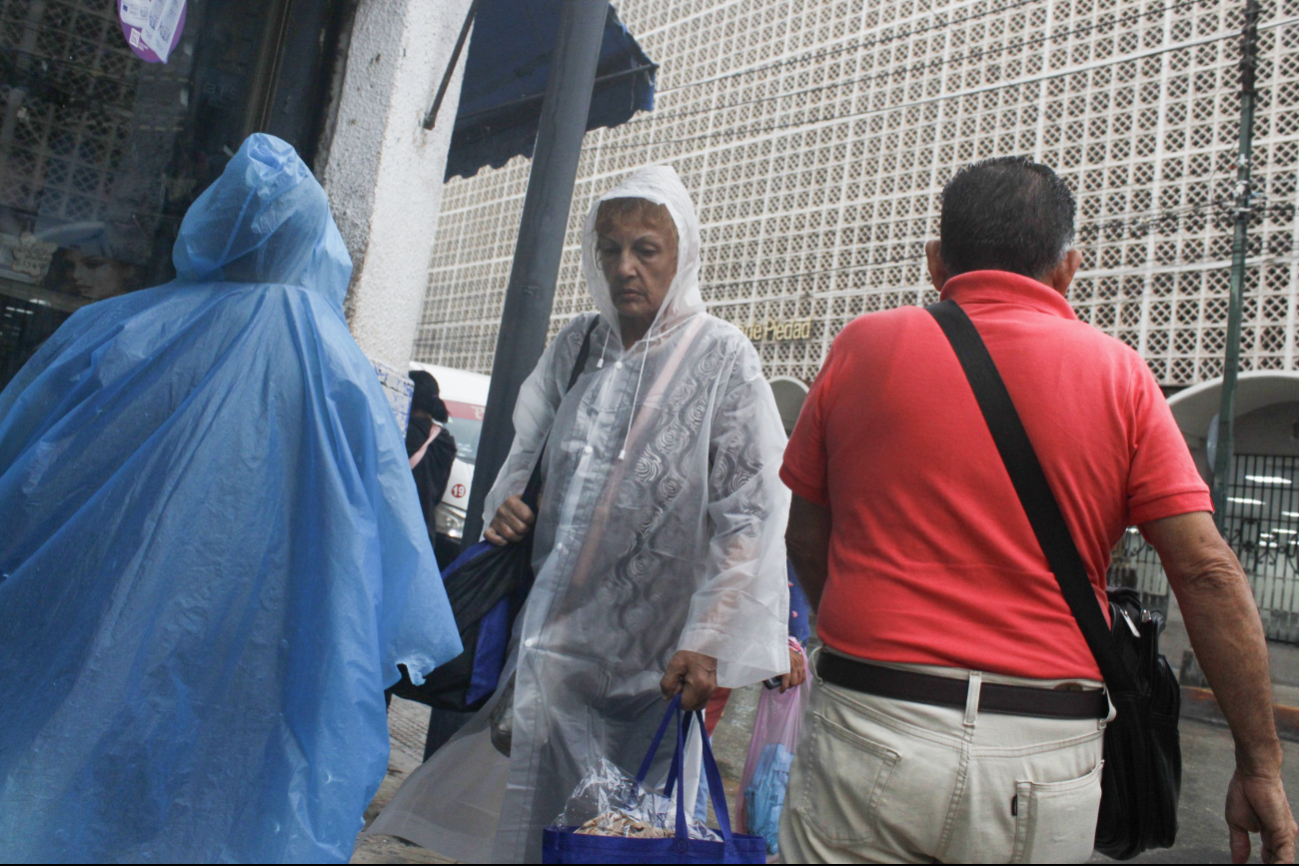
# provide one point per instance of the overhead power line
(978, 91)
(869, 43)
(1147, 220)
(653, 117)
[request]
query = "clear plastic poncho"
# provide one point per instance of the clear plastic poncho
(676, 545)
(213, 556)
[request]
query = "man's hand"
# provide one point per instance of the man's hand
(513, 522)
(692, 674)
(797, 672)
(1257, 804)
(1227, 636)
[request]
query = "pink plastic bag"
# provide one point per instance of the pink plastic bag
(766, 767)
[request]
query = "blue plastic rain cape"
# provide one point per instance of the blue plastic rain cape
(213, 557)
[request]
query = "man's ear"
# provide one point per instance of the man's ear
(937, 270)
(1062, 275)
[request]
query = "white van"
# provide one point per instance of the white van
(465, 395)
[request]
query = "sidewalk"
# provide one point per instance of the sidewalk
(407, 724)
(1208, 760)
(1198, 701)
(408, 721)
(1207, 756)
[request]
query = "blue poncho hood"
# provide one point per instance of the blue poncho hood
(213, 556)
(265, 220)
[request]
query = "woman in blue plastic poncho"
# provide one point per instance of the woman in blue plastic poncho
(213, 557)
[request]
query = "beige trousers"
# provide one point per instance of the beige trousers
(877, 780)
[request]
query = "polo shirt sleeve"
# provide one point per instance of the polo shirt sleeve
(1162, 479)
(804, 468)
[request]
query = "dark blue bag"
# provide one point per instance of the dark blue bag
(563, 845)
(486, 586)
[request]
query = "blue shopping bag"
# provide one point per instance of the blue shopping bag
(563, 845)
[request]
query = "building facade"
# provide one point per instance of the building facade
(104, 145)
(816, 136)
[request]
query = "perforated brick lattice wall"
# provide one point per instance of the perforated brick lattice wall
(816, 138)
(61, 150)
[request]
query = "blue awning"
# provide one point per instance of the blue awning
(505, 80)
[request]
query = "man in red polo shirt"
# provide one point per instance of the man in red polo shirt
(912, 544)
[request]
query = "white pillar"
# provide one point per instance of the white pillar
(384, 172)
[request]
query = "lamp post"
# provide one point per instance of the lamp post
(1243, 207)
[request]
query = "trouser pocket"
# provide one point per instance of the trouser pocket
(843, 782)
(1055, 822)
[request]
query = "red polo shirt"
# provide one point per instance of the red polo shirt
(932, 559)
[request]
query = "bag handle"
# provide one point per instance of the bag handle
(1033, 489)
(716, 792)
(533, 490)
(676, 774)
(673, 708)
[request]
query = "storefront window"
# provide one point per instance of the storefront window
(101, 153)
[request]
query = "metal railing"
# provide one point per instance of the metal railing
(1262, 527)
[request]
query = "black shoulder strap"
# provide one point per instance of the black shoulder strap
(533, 490)
(582, 354)
(1034, 490)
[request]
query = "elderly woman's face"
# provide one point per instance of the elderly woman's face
(637, 250)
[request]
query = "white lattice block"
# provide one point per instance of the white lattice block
(816, 138)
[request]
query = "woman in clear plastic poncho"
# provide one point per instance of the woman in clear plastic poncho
(213, 557)
(659, 535)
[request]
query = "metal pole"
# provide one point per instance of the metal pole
(531, 291)
(1231, 363)
(431, 118)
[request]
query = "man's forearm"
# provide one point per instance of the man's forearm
(807, 543)
(1225, 631)
(812, 572)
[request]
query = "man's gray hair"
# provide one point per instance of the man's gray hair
(1006, 214)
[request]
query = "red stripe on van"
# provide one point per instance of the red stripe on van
(468, 411)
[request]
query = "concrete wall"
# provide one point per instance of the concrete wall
(1269, 430)
(383, 172)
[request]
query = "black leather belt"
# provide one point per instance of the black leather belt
(948, 692)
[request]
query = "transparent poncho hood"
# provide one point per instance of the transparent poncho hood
(264, 220)
(661, 185)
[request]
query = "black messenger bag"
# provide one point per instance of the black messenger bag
(1143, 758)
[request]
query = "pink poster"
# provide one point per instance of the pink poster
(152, 27)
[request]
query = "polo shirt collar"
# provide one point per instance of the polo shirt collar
(1002, 287)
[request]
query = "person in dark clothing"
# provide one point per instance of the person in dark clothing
(432, 450)
(429, 444)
